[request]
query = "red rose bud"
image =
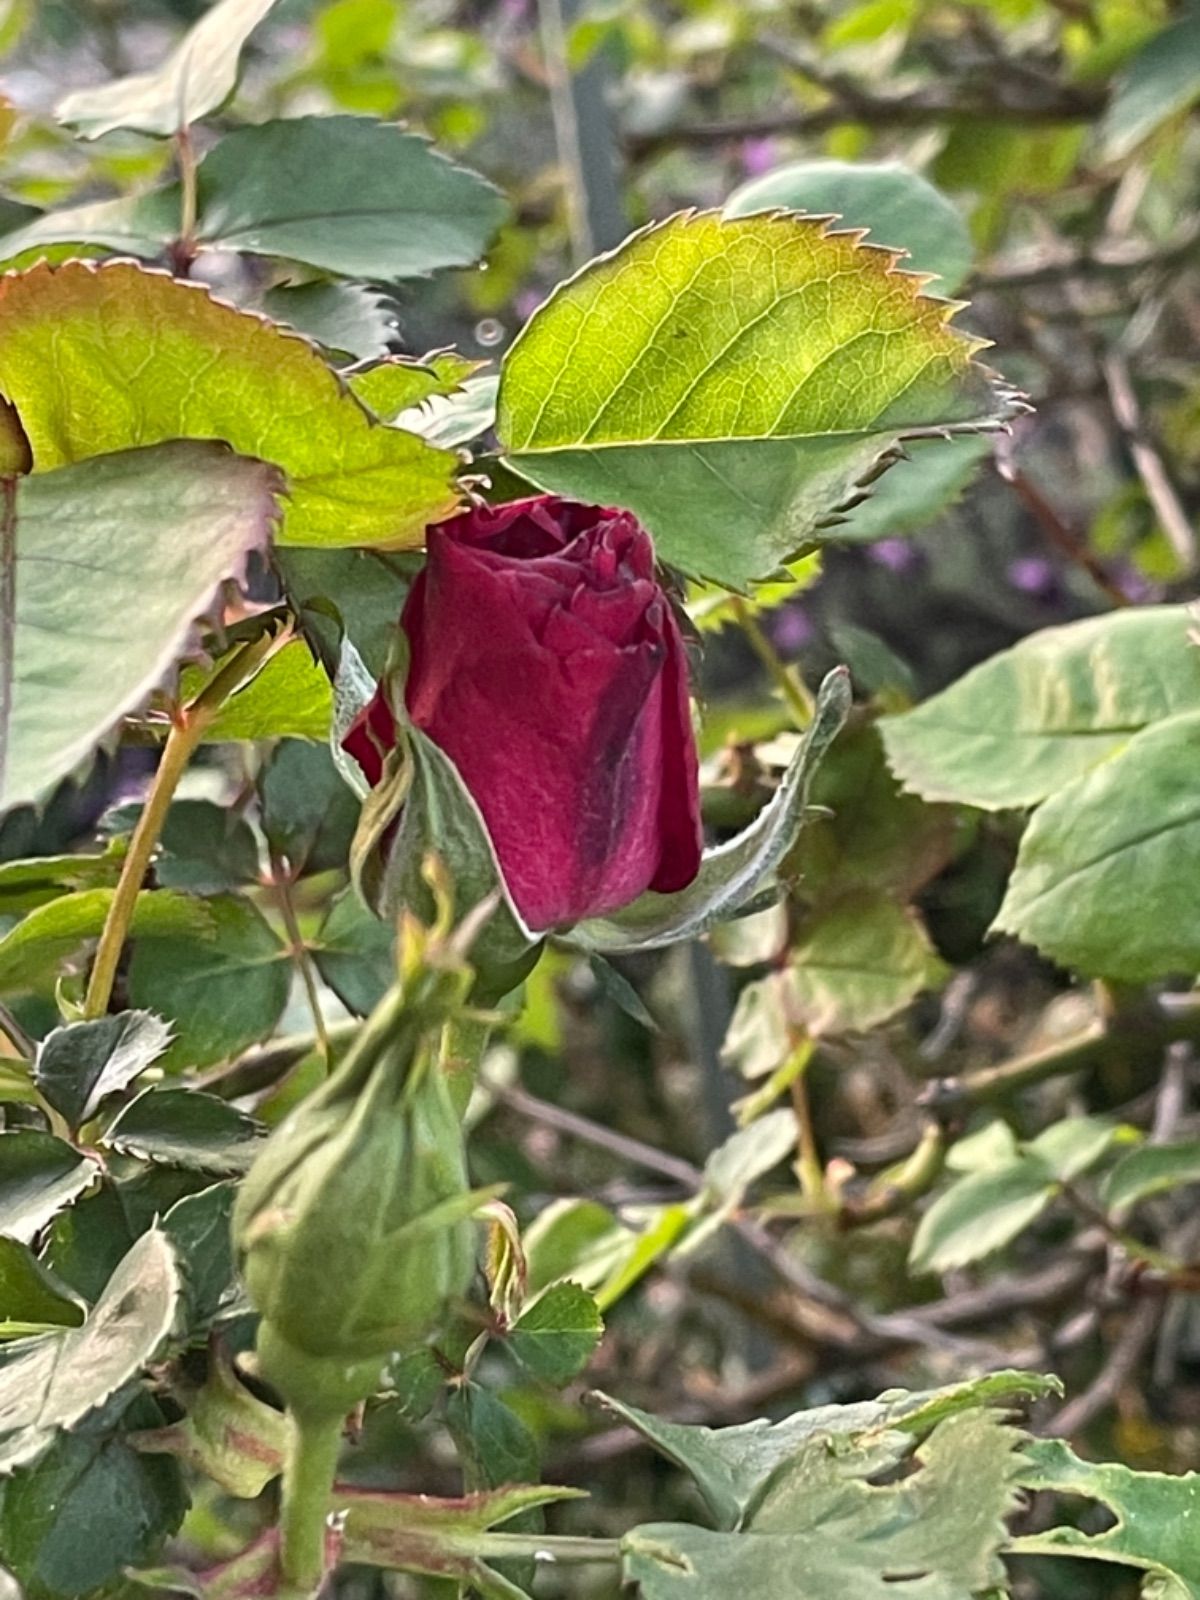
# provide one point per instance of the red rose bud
(546, 662)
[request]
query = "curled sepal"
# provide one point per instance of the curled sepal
(421, 807)
(736, 874)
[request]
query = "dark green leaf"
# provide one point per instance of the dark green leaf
(355, 954)
(32, 954)
(39, 1175)
(308, 813)
(366, 588)
(87, 1509)
(198, 1227)
(1161, 81)
(31, 1296)
(346, 318)
(206, 848)
(79, 1065)
(184, 1128)
(555, 1336)
(290, 697)
(221, 994)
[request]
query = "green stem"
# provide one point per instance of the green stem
(281, 882)
(186, 733)
(796, 697)
(308, 1475)
(183, 251)
(551, 1548)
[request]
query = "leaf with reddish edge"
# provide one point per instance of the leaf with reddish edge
(151, 534)
(99, 358)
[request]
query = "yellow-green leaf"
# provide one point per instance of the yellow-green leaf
(732, 381)
(99, 358)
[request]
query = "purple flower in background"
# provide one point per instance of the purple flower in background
(791, 629)
(897, 555)
(1036, 577)
(759, 156)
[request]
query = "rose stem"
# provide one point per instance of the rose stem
(797, 698)
(187, 729)
(308, 1475)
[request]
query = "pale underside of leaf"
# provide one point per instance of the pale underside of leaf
(195, 79)
(151, 534)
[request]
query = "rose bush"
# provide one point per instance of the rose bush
(547, 663)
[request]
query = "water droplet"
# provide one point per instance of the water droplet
(489, 332)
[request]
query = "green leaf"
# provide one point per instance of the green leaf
(732, 382)
(1021, 726)
(1161, 81)
(355, 954)
(70, 1524)
(1151, 1169)
(735, 874)
(221, 995)
(346, 318)
(32, 1297)
(198, 1227)
(397, 384)
(555, 1336)
(151, 358)
(32, 952)
(857, 961)
(70, 666)
(342, 194)
(290, 697)
(308, 813)
(184, 1128)
(902, 209)
(732, 1466)
(40, 1174)
(988, 1208)
(458, 418)
(345, 194)
(79, 1065)
(929, 478)
(205, 849)
(366, 588)
(34, 881)
(823, 1530)
(745, 1156)
(195, 79)
(875, 837)
(577, 1239)
(1105, 872)
(1155, 1512)
(51, 1383)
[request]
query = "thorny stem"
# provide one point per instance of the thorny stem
(796, 697)
(187, 730)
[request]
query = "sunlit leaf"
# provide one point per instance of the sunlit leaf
(732, 382)
(98, 358)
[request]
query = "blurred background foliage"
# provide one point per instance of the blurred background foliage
(1061, 170)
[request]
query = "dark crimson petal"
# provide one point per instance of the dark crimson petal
(680, 829)
(371, 735)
